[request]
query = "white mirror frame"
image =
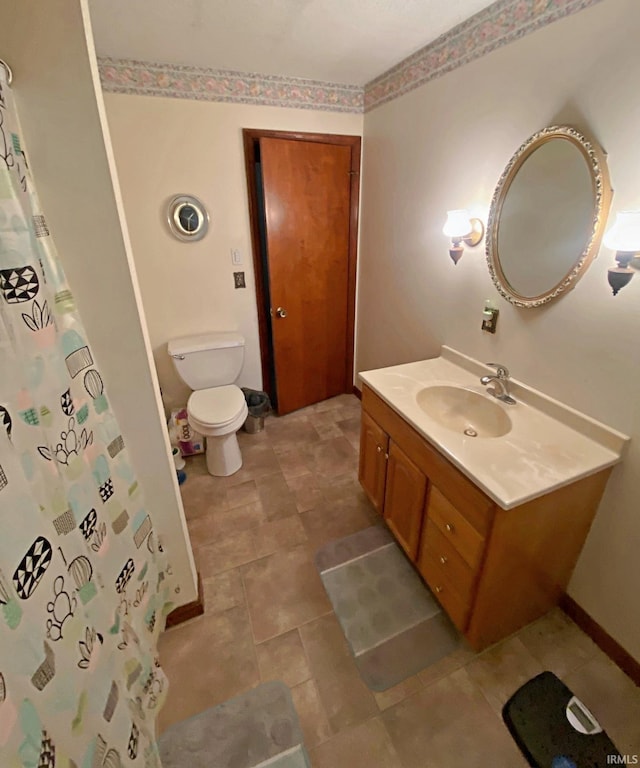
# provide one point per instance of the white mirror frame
(595, 158)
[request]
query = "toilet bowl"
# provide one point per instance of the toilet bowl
(218, 413)
(209, 363)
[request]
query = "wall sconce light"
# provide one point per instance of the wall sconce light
(624, 238)
(460, 228)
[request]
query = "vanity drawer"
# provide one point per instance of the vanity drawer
(445, 593)
(455, 528)
(435, 546)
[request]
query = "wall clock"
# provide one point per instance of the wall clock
(188, 218)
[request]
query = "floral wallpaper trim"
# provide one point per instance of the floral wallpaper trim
(502, 22)
(184, 82)
(495, 26)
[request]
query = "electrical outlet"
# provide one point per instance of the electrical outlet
(490, 319)
(236, 256)
(238, 279)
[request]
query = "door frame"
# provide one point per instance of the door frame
(251, 136)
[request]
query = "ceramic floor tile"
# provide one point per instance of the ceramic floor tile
(278, 534)
(212, 527)
(313, 719)
(446, 665)
(345, 697)
(612, 697)
(232, 550)
(283, 591)
(399, 692)
(287, 433)
(283, 658)
(241, 494)
(330, 457)
(306, 491)
(350, 428)
(201, 494)
(324, 424)
(276, 497)
(207, 660)
(327, 522)
(502, 669)
(240, 518)
(223, 591)
(335, 403)
(293, 463)
(558, 643)
(363, 746)
(450, 724)
(258, 460)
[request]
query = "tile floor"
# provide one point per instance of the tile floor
(267, 617)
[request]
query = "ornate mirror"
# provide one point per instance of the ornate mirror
(547, 216)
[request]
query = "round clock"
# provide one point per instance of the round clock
(188, 218)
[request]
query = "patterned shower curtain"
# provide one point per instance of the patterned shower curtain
(83, 580)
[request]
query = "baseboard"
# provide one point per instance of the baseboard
(357, 392)
(187, 611)
(601, 638)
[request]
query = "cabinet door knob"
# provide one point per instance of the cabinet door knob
(449, 527)
(438, 590)
(379, 448)
(443, 560)
(281, 312)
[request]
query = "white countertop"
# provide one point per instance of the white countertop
(549, 444)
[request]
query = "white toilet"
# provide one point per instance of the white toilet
(209, 363)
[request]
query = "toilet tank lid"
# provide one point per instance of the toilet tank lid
(201, 341)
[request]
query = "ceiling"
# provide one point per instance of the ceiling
(338, 41)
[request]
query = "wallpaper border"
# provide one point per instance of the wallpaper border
(499, 24)
(185, 82)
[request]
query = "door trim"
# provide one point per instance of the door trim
(250, 138)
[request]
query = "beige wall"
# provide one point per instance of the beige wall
(165, 147)
(59, 99)
(444, 146)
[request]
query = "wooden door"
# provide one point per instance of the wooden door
(308, 265)
(404, 500)
(372, 469)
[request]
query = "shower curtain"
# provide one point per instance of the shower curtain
(83, 579)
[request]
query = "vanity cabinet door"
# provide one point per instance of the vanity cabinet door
(404, 500)
(374, 445)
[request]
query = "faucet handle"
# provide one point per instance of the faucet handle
(501, 370)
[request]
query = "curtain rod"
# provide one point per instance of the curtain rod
(4, 64)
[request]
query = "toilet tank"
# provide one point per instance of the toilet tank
(208, 359)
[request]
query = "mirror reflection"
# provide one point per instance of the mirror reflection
(547, 215)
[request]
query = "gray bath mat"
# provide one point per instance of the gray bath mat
(257, 728)
(393, 624)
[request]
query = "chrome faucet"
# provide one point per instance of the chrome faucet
(499, 384)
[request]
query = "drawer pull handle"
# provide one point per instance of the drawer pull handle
(449, 527)
(443, 560)
(438, 590)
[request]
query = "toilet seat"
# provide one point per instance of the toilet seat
(217, 410)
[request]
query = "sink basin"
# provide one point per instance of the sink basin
(464, 411)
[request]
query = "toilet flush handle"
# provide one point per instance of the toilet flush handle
(281, 312)
(178, 357)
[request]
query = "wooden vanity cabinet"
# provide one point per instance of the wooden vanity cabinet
(493, 570)
(372, 469)
(404, 498)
